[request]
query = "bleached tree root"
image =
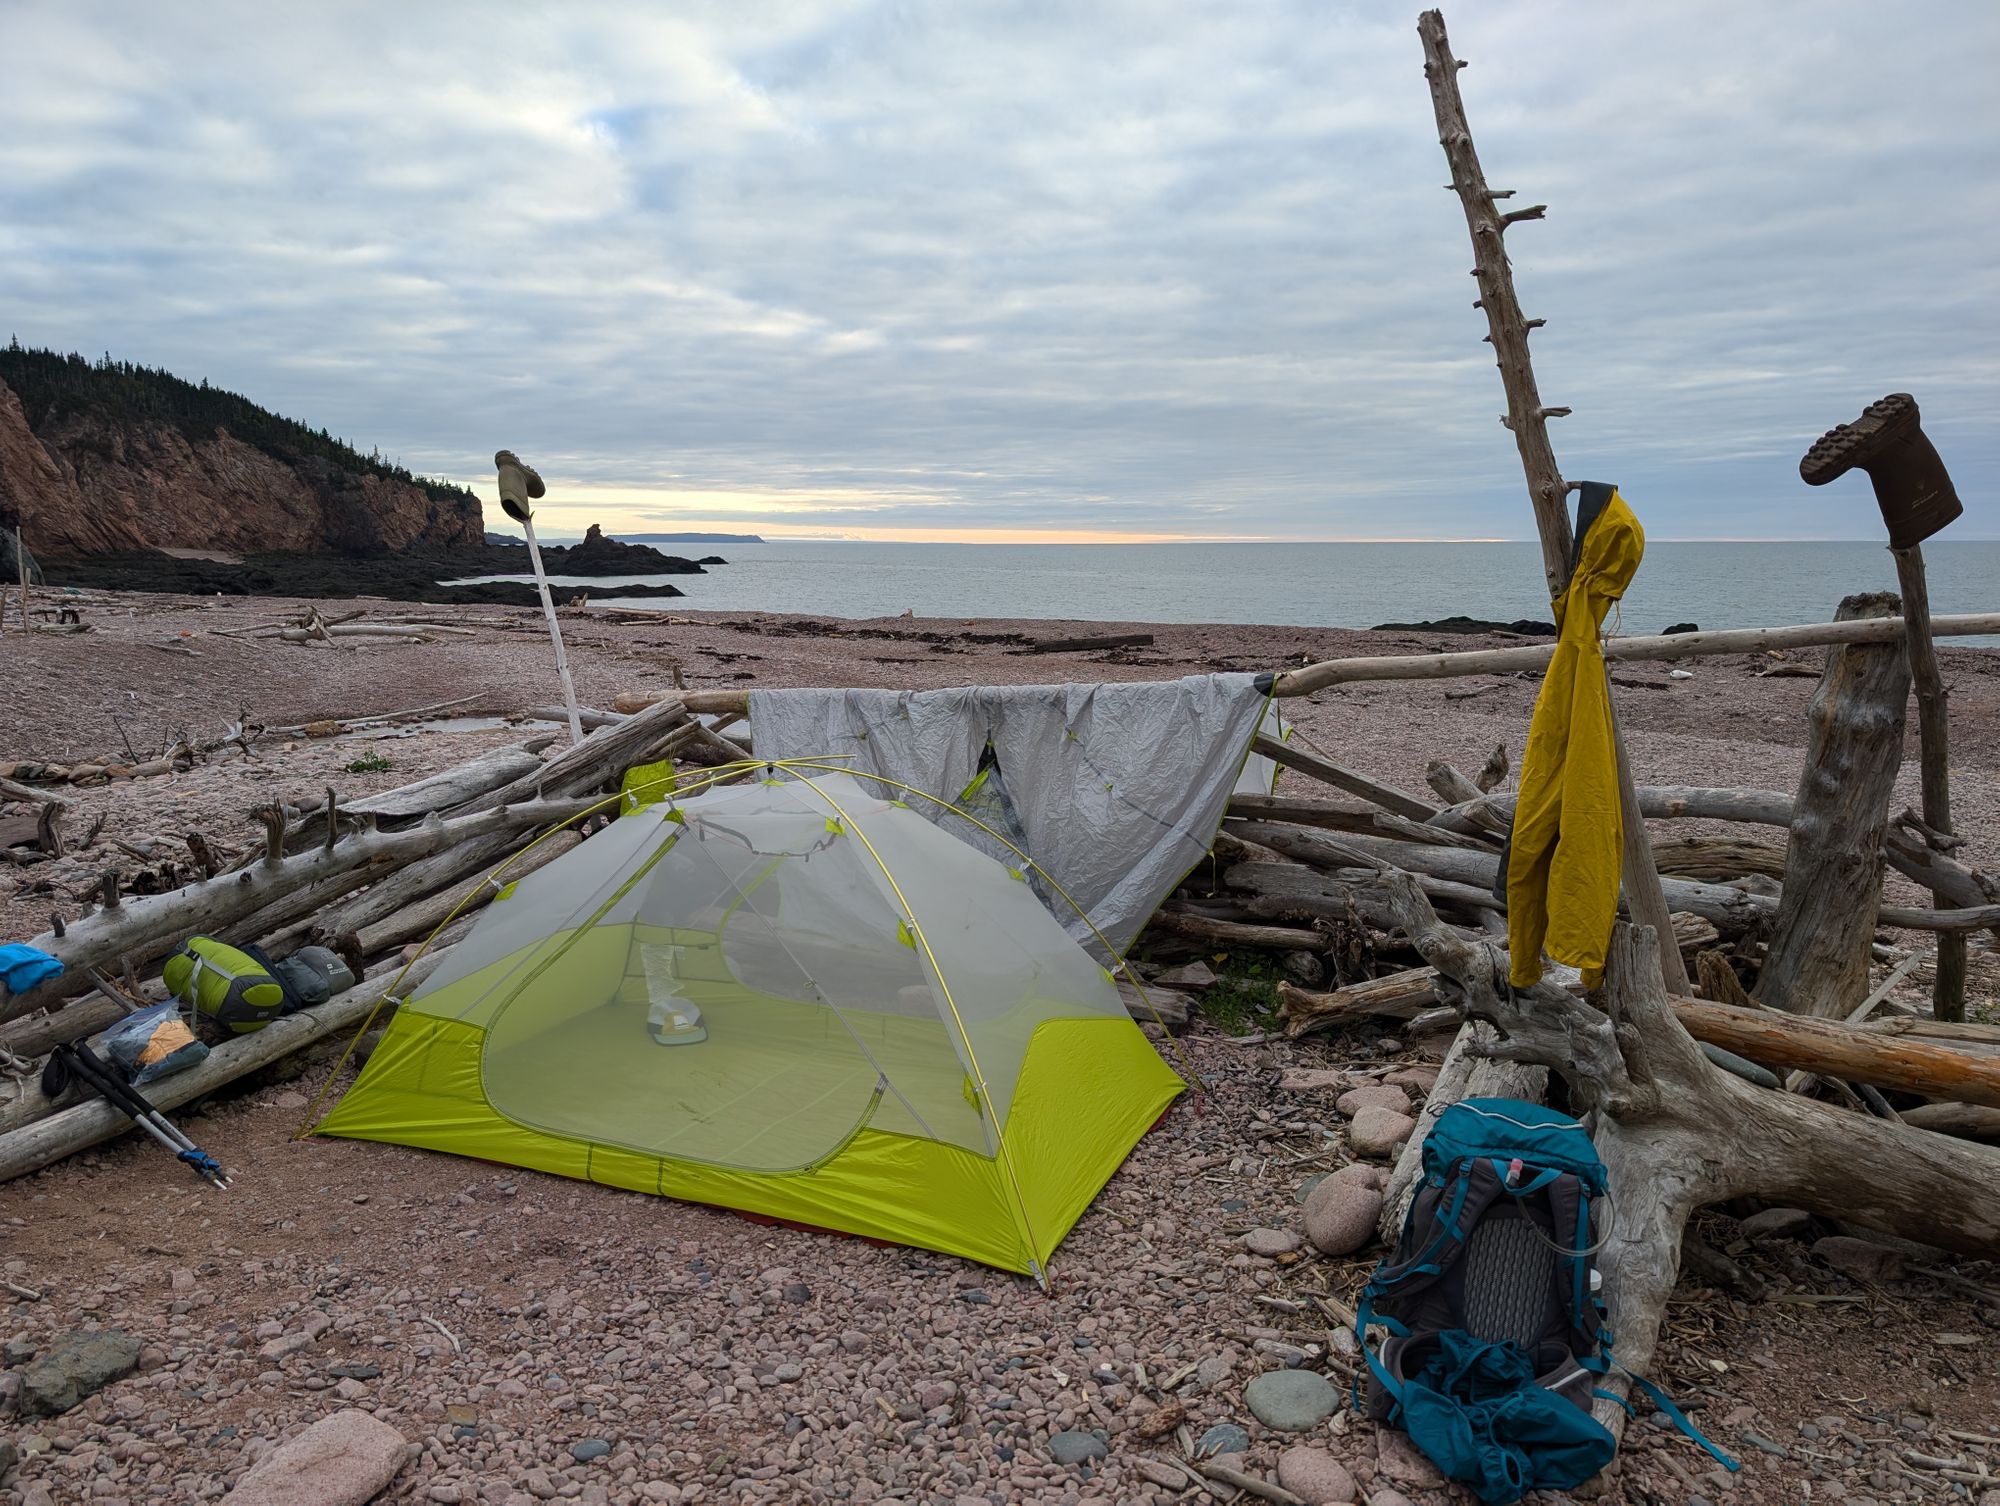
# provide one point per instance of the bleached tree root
(1677, 1133)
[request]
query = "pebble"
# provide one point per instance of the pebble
(1313, 1080)
(1374, 1096)
(1860, 1258)
(1223, 1438)
(1315, 1476)
(76, 1366)
(1379, 1132)
(1270, 1242)
(1162, 1474)
(1775, 1223)
(1291, 1400)
(283, 1348)
(1343, 1211)
(1075, 1447)
(589, 1449)
(1403, 1462)
(342, 1460)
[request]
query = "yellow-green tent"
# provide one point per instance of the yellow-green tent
(795, 997)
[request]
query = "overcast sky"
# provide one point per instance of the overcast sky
(958, 269)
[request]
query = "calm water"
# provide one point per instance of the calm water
(1324, 585)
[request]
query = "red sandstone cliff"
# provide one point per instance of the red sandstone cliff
(83, 482)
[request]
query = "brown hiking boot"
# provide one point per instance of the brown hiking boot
(1888, 442)
(518, 485)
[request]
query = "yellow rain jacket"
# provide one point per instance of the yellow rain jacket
(1564, 858)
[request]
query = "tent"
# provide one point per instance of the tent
(792, 996)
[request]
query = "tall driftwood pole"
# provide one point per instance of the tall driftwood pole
(1914, 491)
(1527, 419)
(1933, 726)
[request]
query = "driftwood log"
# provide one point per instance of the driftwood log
(1677, 1133)
(1398, 802)
(64, 1133)
(650, 735)
(1187, 925)
(1393, 996)
(1329, 816)
(1731, 911)
(144, 928)
(1964, 1120)
(1900, 1061)
(444, 791)
(412, 922)
(1819, 952)
(1491, 661)
(1908, 850)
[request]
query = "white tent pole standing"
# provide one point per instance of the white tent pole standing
(518, 485)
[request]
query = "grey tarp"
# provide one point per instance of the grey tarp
(1114, 790)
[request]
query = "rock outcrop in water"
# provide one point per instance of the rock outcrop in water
(1525, 626)
(411, 575)
(108, 457)
(599, 554)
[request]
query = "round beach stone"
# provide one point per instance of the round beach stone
(1270, 1241)
(589, 1449)
(1374, 1096)
(1342, 1212)
(1315, 1476)
(1076, 1447)
(1223, 1438)
(1291, 1400)
(1378, 1131)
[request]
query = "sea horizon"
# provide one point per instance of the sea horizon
(1713, 583)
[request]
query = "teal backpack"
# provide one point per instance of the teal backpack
(1493, 1335)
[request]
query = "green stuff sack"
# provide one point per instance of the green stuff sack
(225, 985)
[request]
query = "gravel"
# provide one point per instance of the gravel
(678, 1336)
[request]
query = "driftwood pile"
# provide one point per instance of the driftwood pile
(373, 880)
(1784, 1076)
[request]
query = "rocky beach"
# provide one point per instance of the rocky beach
(523, 1338)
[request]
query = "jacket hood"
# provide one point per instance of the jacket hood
(1609, 546)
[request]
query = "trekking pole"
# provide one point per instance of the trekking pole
(78, 1063)
(123, 1095)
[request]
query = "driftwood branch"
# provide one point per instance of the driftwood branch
(1528, 658)
(1677, 1133)
(1399, 802)
(1934, 725)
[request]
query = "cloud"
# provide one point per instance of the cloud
(1138, 268)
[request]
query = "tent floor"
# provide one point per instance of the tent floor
(777, 1086)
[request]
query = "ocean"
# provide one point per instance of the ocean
(1310, 585)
